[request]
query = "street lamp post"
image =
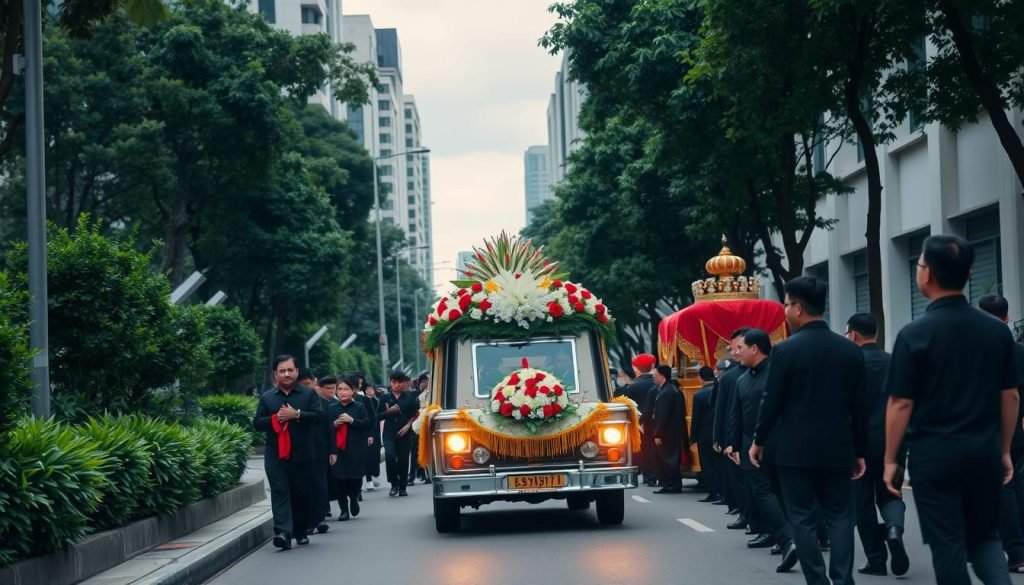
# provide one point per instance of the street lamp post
(398, 298)
(417, 320)
(380, 262)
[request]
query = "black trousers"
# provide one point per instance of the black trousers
(290, 497)
(769, 517)
(1011, 517)
(346, 490)
(320, 500)
(648, 454)
(739, 486)
(668, 460)
(396, 460)
(728, 490)
(869, 494)
(709, 468)
(827, 494)
(958, 504)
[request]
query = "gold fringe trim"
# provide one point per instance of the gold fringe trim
(426, 437)
(539, 446)
(634, 422)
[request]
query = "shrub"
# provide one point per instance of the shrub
(235, 409)
(225, 449)
(15, 386)
(174, 468)
(132, 456)
(234, 345)
(52, 480)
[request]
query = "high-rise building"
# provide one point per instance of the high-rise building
(536, 178)
(464, 258)
(417, 177)
(564, 131)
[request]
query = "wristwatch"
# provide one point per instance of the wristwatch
(298, 414)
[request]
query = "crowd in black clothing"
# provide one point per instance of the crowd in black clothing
(806, 440)
(324, 443)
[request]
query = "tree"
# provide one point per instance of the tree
(15, 386)
(234, 348)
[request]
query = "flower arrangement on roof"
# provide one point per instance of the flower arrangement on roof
(512, 290)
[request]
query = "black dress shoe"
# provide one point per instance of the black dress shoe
(719, 503)
(354, 507)
(411, 483)
(899, 562)
(760, 541)
(709, 498)
(343, 517)
(359, 498)
(788, 558)
(776, 550)
(322, 528)
(402, 492)
(668, 490)
(283, 541)
(732, 511)
(737, 524)
(302, 540)
(393, 492)
(427, 480)
(870, 569)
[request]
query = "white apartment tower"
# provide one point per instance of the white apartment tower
(536, 178)
(564, 131)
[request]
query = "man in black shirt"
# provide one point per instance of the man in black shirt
(326, 388)
(869, 491)
(953, 381)
(736, 482)
(669, 430)
(642, 391)
(816, 386)
(702, 428)
(290, 415)
(401, 409)
(1011, 520)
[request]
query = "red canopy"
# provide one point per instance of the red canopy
(702, 330)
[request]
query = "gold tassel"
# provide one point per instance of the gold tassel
(634, 422)
(426, 437)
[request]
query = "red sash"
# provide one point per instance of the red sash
(284, 438)
(341, 437)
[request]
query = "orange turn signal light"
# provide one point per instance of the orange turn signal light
(614, 455)
(456, 462)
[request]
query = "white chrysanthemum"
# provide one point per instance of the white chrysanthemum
(518, 399)
(477, 297)
(495, 406)
(478, 314)
(517, 415)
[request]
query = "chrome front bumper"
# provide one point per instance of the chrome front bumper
(493, 484)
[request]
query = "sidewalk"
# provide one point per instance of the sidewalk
(198, 556)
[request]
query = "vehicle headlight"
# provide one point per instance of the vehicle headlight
(481, 455)
(612, 435)
(589, 449)
(456, 443)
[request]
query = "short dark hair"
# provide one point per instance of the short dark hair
(739, 332)
(665, 370)
(282, 358)
(950, 259)
(810, 292)
(306, 374)
(399, 376)
(706, 373)
(863, 324)
(994, 305)
(351, 381)
(328, 380)
(759, 338)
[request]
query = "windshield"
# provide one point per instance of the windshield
(494, 361)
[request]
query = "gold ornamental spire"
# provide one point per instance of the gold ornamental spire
(726, 281)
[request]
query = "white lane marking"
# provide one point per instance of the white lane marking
(695, 525)
(641, 499)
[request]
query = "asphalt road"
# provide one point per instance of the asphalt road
(665, 539)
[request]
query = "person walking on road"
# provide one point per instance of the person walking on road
(816, 384)
(351, 424)
(701, 431)
(321, 500)
(642, 391)
(736, 483)
(401, 408)
(869, 491)
(669, 430)
(953, 381)
(290, 415)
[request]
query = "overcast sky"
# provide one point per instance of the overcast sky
(482, 85)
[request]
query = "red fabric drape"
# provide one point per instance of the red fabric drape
(341, 437)
(284, 437)
(699, 329)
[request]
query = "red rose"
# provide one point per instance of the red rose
(600, 309)
(442, 307)
(573, 299)
(464, 302)
(463, 291)
(556, 407)
(549, 411)
(484, 305)
(513, 379)
(531, 392)
(518, 276)
(555, 309)
(540, 376)
(454, 314)
(477, 287)
(602, 318)
(580, 307)
(499, 396)
(524, 410)
(556, 284)
(506, 409)
(585, 294)
(570, 288)
(531, 383)
(431, 320)
(558, 390)
(545, 390)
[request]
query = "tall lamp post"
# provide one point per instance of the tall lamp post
(380, 261)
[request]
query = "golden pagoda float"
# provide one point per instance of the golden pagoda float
(698, 335)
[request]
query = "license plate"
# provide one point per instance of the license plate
(536, 482)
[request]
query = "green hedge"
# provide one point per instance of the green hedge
(60, 482)
(234, 408)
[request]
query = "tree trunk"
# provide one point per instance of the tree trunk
(988, 92)
(172, 257)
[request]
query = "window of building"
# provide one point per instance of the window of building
(410, 157)
(412, 228)
(918, 302)
(408, 142)
(408, 113)
(861, 289)
(408, 128)
(384, 122)
(268, 9)
(916, 64)
(384, 105)
(385, 88)
(385, 139)
(386, 170)
(412, 213)
(410, 185)
(385, 152)
(821, 272)
(987, 271)
(311, 15)
(387, 205)
(412, 198)
(355, 121)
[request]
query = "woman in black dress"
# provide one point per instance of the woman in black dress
(373, 402)
(351, 423)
